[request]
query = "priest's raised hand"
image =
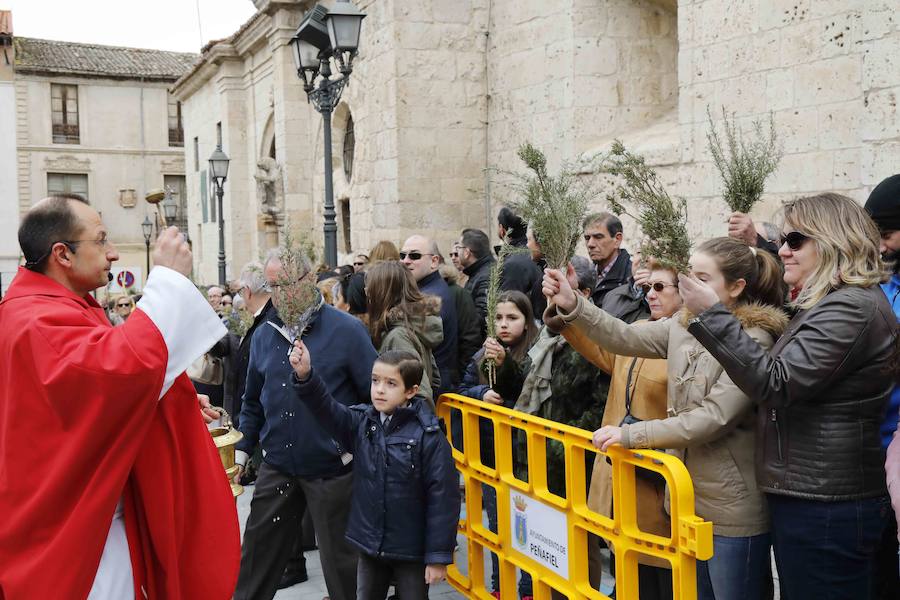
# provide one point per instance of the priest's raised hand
(173, 252)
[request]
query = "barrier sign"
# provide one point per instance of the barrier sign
(540, 532)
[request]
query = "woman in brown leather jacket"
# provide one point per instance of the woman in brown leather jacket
(823, 388)
(710, 421)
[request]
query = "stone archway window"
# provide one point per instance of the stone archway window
(349, 148)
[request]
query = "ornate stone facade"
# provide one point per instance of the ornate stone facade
(444, 91)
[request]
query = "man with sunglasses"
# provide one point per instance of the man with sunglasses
(360, 262)
(103, 451)
(423, 259)
(883, 206)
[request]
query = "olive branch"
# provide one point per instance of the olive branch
(294, 292)
(493, 292)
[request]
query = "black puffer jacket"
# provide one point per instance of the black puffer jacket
(626, 303)
(405, 486)
(823, 389)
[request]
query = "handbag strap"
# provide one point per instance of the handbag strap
(628, 387)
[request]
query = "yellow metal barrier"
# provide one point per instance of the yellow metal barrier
(547, 535)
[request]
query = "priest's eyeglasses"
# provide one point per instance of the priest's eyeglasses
(103, 242)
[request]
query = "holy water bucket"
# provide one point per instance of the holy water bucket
(225, 437)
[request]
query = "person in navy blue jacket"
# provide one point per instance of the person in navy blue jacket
(406, 497)
(303, 466)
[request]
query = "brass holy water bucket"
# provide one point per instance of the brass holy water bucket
(225, 438)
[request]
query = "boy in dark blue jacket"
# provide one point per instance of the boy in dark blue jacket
(406, 500)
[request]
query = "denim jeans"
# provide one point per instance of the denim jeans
(825, 550)
(489, 502)
(737, 569)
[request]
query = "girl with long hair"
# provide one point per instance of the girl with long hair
(516, 332)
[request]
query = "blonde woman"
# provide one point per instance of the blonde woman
(710, 422)
(822, 390)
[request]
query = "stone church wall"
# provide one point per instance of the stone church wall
(444, 91)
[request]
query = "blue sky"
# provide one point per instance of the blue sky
(159, 24)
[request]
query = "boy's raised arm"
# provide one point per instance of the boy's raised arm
(340, 421)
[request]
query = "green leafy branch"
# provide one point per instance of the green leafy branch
(294, 292)
(553, 206)
(744, 165)
(662, 219)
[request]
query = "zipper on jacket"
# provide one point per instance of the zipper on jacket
(774, 419)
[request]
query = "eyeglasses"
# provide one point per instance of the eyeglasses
(794, 240)
(358, 264)
(657, 287)
(103, 242)
(126, 305)
(414, 255)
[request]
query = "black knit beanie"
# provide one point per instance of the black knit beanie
(883, 204)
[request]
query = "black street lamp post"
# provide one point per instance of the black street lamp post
(147, 229)
(323, 35)
(218, 167)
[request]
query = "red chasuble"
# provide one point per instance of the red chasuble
(81, 426)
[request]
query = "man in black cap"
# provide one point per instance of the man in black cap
(884, 207)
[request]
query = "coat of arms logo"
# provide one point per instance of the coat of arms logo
(521, 521)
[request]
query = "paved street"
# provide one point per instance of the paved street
(314, 589)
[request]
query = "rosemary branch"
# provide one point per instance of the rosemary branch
(662, 219)
(743, 164)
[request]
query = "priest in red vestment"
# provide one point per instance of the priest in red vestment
(110, 485)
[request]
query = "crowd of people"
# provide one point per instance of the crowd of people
(768, 368)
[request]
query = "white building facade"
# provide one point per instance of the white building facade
(99, 121)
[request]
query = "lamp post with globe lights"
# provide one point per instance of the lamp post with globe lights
(326, 35)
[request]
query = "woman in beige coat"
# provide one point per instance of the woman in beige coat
(638, 388)
(711, 422)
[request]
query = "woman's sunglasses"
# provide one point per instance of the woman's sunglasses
(657, 287)
(794, 240)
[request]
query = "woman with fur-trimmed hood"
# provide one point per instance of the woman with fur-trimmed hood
(402, 318)
(711, 422)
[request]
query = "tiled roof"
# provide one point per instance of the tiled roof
(5, 22)
(91, 60)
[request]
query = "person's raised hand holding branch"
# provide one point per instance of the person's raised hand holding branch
(300, 360)
(558, 291)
